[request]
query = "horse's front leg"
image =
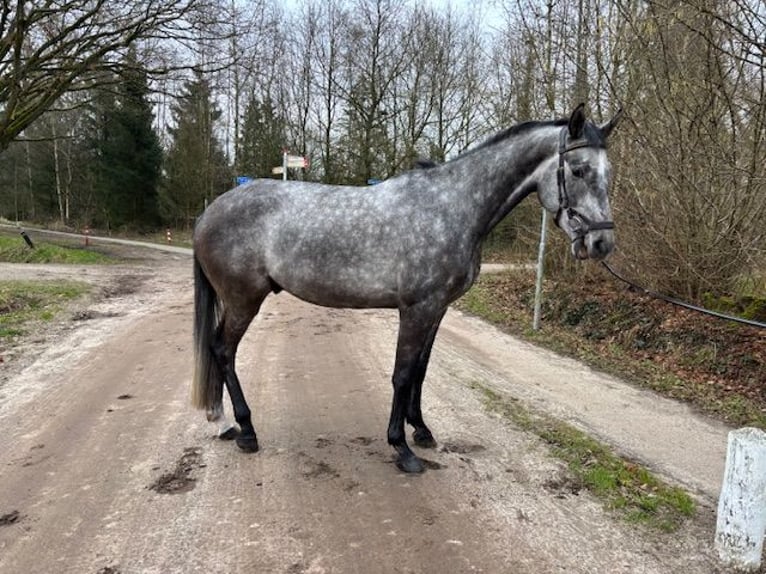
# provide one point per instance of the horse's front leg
(417, 328)
(422, 435)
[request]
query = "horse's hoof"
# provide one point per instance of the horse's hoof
(229, 434)
(247, 444)
(423, 438)
(410, 464)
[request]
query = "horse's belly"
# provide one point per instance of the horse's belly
(357, 290)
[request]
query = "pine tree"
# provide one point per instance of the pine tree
(196, 166)
(143, 166)
(262, 138)
(128, 153)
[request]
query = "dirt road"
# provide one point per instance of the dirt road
(105, 468)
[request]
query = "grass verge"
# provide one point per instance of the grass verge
(23, 303)
(15, 250)
(625, 487)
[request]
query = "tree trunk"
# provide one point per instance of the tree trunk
(57, 170)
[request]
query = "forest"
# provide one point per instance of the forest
(129, 117)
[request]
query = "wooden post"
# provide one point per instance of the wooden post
(741, 522)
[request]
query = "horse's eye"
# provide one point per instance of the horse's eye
(579, 171)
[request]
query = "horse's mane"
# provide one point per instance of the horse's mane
(513, 131)
(516, 130)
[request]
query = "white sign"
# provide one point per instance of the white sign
(296, 161)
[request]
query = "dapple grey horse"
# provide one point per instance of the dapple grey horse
(412, 242)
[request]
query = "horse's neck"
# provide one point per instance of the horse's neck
(506, 173)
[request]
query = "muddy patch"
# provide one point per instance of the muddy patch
(317, 469)
(426, 516)
(109, 570)
(320, 470)
(122, 286)
(322, 442)
(125, 397)
(429, 464)
(11, 518)
(32, 462)
(363, 440)
(351, 485)
(461, 447)
(432, 464)
(181, 479)
(563, 486)
(89, 315)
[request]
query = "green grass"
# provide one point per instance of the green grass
(625, 487)
(15, 250)
(22, 303)
(477, 301)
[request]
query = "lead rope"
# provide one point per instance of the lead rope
(683, 304)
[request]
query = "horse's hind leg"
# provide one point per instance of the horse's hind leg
(422, 435)
(233, 326)
(226, 429)
(417, 329)
(216, 414)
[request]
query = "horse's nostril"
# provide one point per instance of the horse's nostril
(599, 248)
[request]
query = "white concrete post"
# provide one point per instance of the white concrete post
(741, 522)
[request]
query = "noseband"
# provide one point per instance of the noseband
(580, 224)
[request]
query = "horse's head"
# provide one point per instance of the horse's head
(578, 198)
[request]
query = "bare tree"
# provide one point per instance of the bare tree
(328, 63)
(692, 192)
(460, 79)
(373, 60)
(49, 47)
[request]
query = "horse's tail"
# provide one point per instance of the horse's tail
(207, 385)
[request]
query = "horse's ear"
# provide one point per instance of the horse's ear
(577, 122)
(607, 128)
(423, 163)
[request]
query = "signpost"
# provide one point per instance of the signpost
(288, 161)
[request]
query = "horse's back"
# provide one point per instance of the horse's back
(337, 246)
(330, 245)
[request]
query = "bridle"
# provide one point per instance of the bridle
(580, 224)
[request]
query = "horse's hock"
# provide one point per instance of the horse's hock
(741, 524)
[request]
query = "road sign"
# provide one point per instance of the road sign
(290, 161)
(296, 161)
(243, 179)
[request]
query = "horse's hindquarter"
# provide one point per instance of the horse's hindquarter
(344, 246)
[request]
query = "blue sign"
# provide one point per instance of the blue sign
(243, 179)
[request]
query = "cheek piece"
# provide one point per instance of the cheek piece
(580, 224)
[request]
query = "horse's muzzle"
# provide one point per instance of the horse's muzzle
(593, 245)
